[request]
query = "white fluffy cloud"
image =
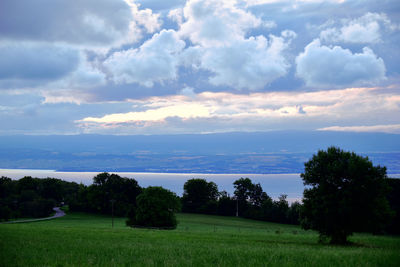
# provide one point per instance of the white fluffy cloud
(322, 66)
(250, 63)
(144, 18)
(211, 23)
(217, 32)
(219, 29)
(365, 29)
(155, 61)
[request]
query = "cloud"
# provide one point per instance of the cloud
(24, 63)
(85, 76)
(263, 2)
(103, 23)
(218, 31)
(391, 128)
(176, 15)
(182, 110)
(211, 23)
(155, 61)
(365, 29)
(224, 112)
(28, 112)
(323, 66)
(46, 66)
(140, 54)
(247, 64)
(144, 17)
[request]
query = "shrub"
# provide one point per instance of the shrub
(155, 207)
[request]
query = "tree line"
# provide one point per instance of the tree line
(33, 197)
(248, 201)
(344, 193)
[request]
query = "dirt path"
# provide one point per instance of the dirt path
(59, 213)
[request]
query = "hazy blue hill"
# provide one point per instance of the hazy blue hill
(294, 141)
(266, 152)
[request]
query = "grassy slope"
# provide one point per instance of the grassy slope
(83, 240)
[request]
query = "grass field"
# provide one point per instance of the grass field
(86, 240)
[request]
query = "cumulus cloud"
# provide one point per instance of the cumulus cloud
(322, 66)
(176, 15)
(365, 29)
(144, 17)
(43, 44)
(218, 30)
(247, 64)
(155, 61)
(212, 23)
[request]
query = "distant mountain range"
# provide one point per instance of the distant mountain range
(266, 152)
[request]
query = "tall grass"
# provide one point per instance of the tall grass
(86, 240)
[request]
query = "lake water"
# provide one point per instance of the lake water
(273, 184)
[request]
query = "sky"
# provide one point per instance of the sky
(131, 67)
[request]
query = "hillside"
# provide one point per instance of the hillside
(85, 240)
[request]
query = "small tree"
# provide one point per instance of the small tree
(243, 192)
(250, 198)
(199, 196)
(344, 193)
(156, 207)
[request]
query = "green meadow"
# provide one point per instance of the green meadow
(88, 240)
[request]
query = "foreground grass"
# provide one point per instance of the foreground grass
(83, 240)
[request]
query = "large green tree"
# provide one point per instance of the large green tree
(344, 193)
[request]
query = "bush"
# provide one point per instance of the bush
(156, 207)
